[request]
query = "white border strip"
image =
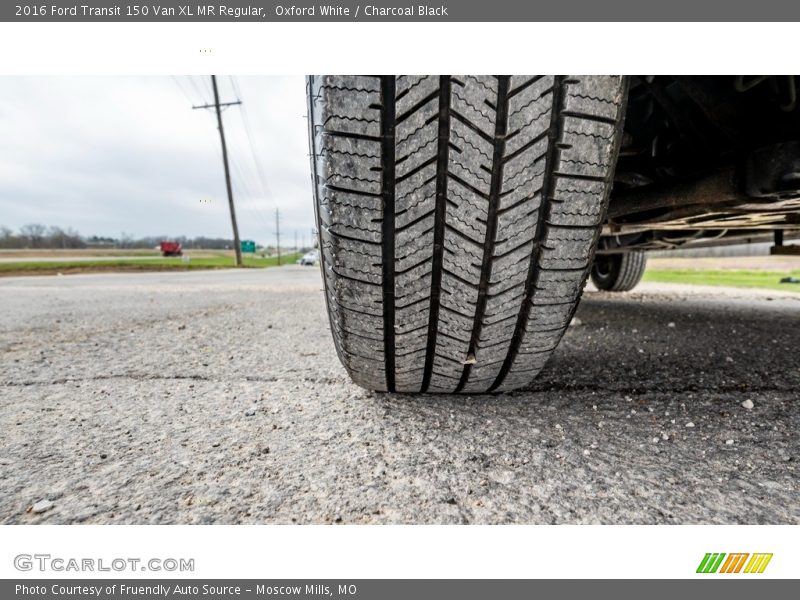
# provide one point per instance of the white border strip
(301, 48)
(330, 552)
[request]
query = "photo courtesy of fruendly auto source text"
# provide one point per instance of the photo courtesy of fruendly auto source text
(390, 332)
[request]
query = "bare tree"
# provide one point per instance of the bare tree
(56, 238)
(73, 239)
(33, 234)
(7, 238)
(125, 240)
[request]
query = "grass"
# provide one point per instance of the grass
(730, 278)
(133, 264)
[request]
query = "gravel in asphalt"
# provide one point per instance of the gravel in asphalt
(217, 397)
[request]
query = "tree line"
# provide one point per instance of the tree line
(36, 236)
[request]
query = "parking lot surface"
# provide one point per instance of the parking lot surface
(217, 397)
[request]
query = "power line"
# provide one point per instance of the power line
(197, 90)
(247, 129)
(243, 177)
(204, 89)
(244, 180)
(181, 88)
(254, 155)
(239, 182)
(243, 186)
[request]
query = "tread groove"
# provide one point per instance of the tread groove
(439, 222)
(388, 85)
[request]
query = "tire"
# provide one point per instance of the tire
(458, 217)
(619, 272)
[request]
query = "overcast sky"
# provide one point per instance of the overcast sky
(107, 155)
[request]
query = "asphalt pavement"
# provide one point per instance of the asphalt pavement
(217, 397)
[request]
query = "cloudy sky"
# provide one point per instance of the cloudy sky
(107, 155)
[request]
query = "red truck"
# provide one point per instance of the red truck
(171, 248)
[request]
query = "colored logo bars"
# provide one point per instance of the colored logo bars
(733, 563)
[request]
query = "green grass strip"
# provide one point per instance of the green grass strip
(138, 264)
(722, 277)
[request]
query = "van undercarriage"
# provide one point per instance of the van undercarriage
(705, 161)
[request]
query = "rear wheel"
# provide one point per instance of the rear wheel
(619, 272)
(458, 217)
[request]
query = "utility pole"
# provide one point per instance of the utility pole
(237, 245)
(295, 241)
(278, 232)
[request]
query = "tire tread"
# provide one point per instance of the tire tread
(492, 189)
